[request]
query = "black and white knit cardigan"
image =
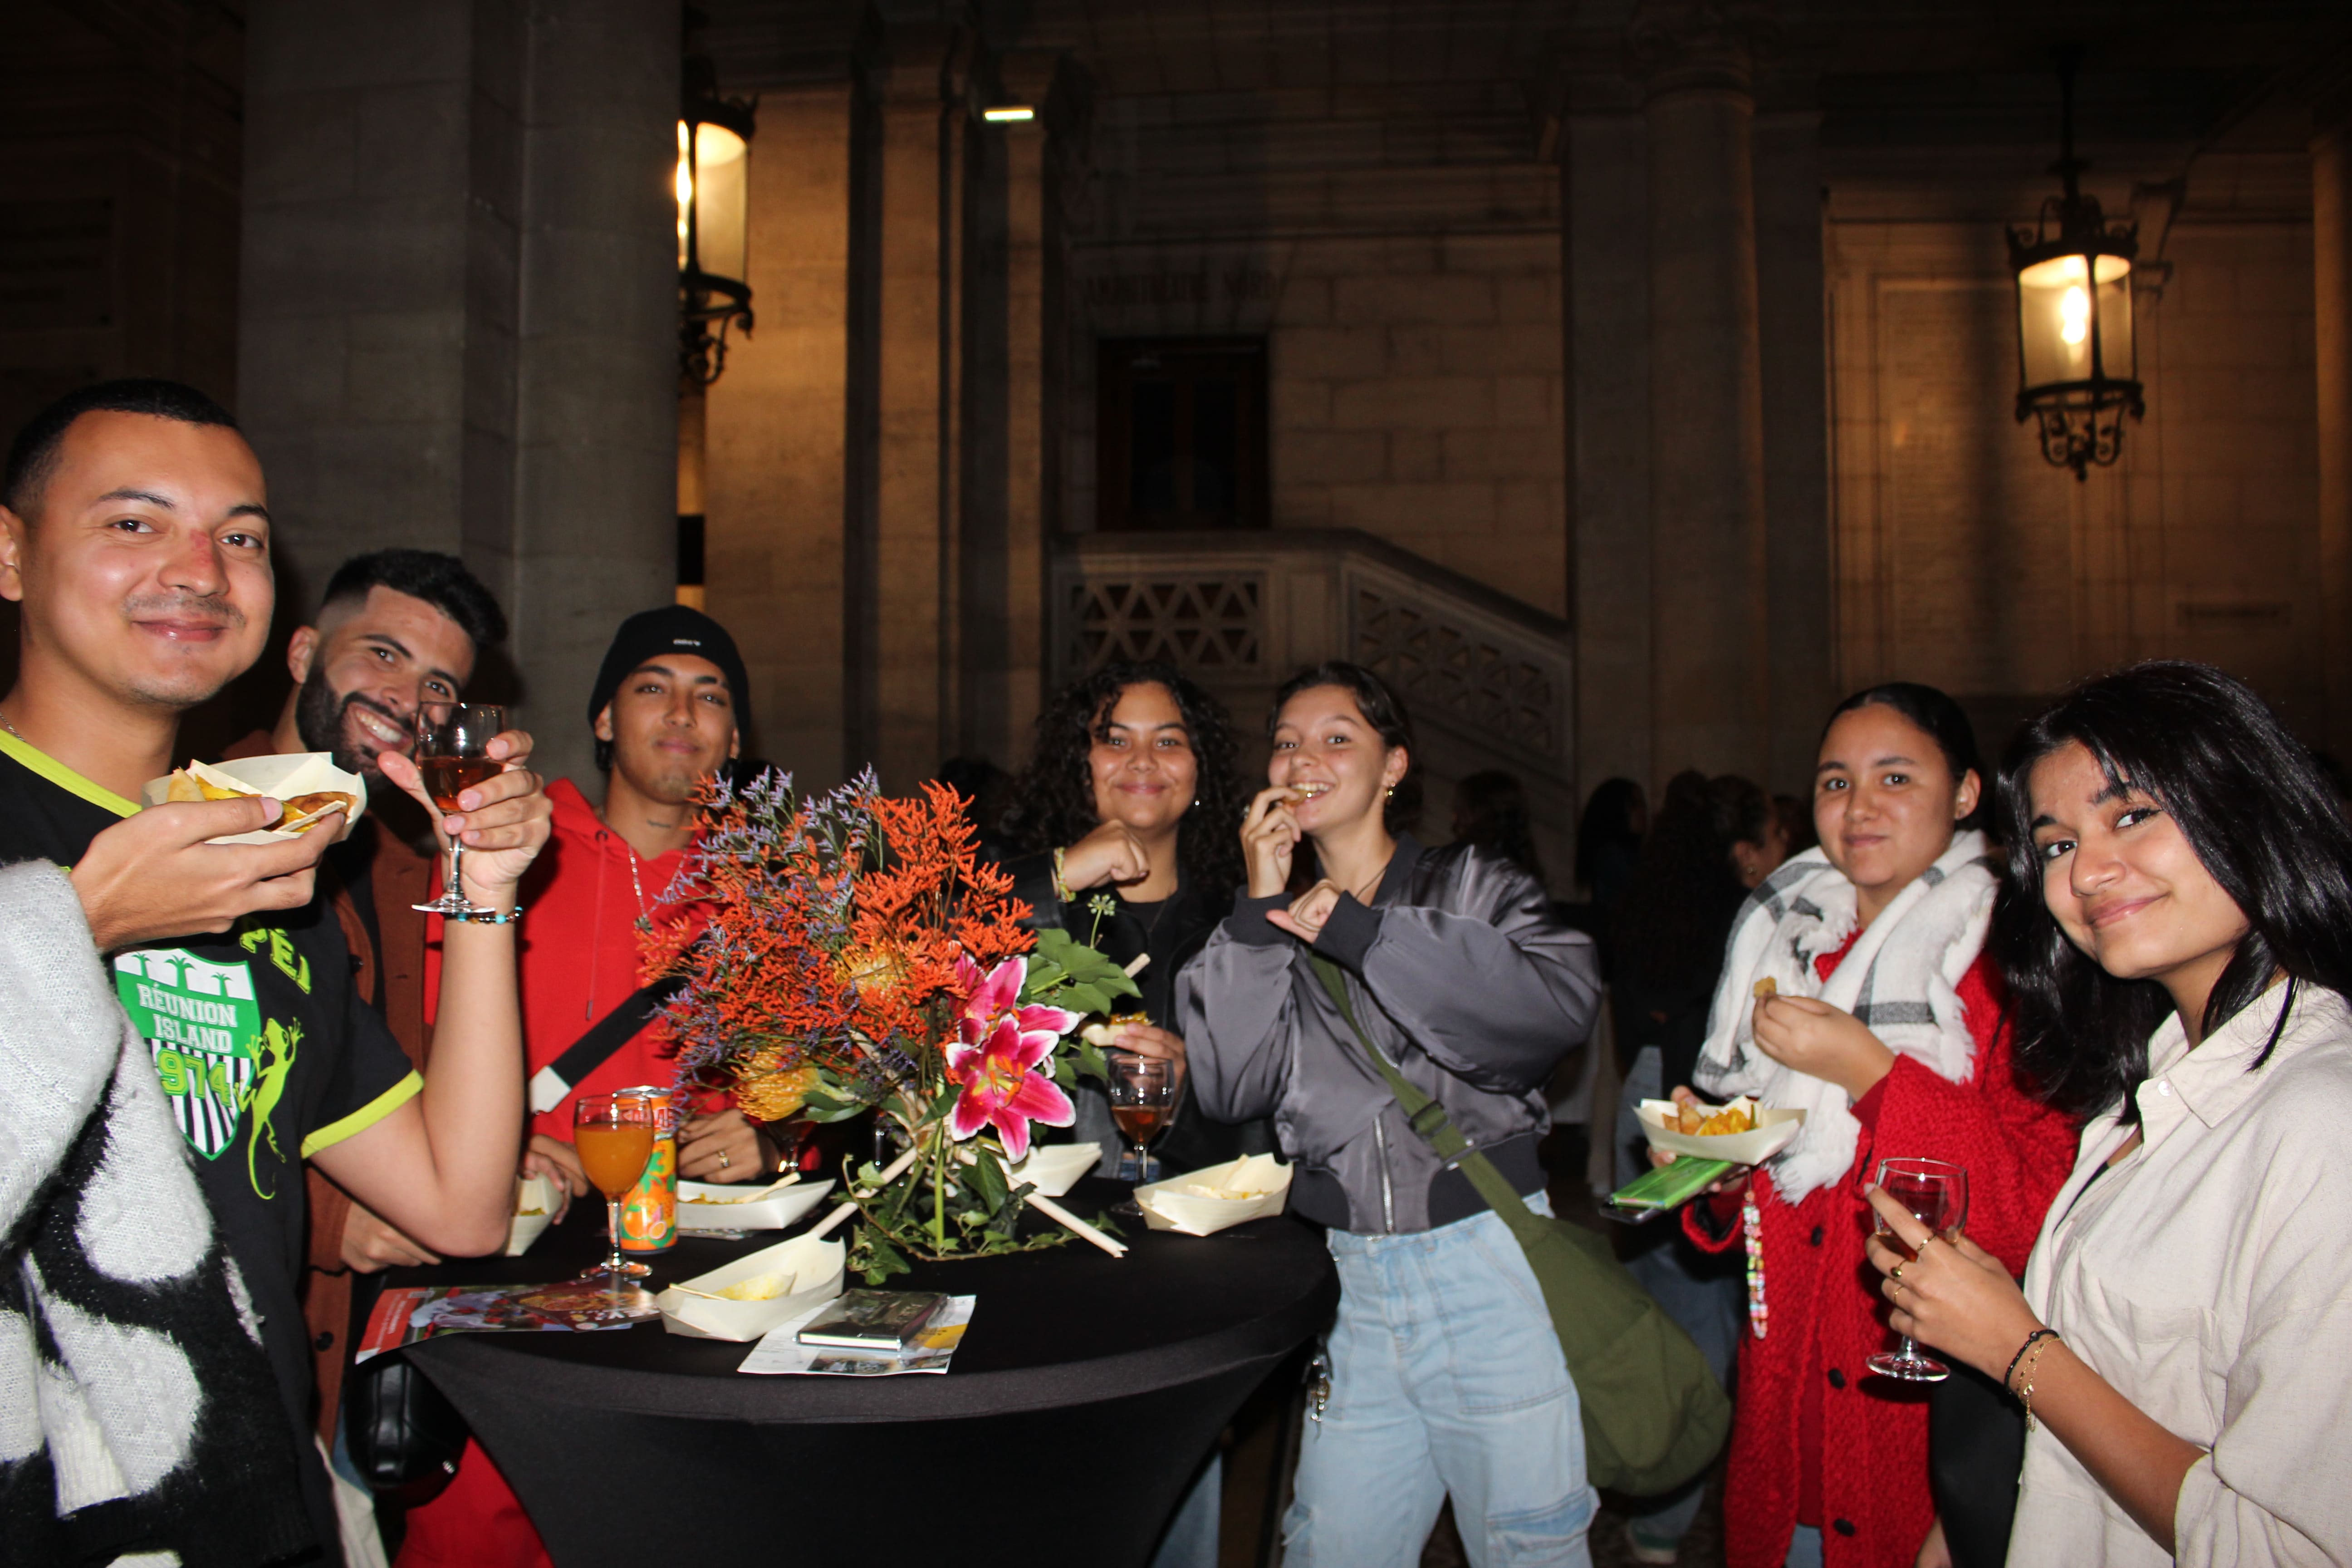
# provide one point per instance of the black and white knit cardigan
(140, 1422)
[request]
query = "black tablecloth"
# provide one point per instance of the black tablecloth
(1083, 1397)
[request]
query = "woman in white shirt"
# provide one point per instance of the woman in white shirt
(2177, 933)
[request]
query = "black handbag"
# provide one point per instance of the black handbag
(402, 1434)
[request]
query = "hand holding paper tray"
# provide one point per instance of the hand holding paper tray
(1773, 1130)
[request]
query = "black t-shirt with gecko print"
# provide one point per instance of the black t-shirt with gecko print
(262, 1041)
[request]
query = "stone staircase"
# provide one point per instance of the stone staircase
(1489, 680)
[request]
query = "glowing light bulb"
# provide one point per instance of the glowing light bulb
(2074, 315)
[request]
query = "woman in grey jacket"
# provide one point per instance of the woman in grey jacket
(1445, 1377)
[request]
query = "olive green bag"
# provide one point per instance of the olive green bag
(1654, 1414)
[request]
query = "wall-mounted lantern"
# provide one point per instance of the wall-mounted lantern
(714, 225)
(2077, 360)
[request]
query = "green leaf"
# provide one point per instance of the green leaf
(821, 1107)
(1091, 1063)
(1043, 976)
(1087, 998)
(988, 1180)
(1066, 1073)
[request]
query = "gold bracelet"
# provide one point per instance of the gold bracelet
(1062, 888)
(2025, 1376)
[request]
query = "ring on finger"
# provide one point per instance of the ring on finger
(1895, 1274)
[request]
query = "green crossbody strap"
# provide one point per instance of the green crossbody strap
(1424, 1115)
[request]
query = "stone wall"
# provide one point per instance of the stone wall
(1966, 561)
(1413, 384)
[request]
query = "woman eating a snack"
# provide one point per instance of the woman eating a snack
(1444, 1375)
(2179, 943)
(1856, 989)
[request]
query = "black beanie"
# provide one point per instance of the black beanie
(674, 628)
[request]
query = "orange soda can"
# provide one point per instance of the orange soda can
(649, 1214)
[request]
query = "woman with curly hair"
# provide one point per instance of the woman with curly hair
(1131, 804)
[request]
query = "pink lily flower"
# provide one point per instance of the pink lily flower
(1002, 1090)
(998, 992)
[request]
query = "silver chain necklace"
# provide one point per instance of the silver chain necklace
(12, 728)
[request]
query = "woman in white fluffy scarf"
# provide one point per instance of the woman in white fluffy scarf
(1885, 1028)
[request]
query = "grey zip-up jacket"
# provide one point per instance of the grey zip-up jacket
(1461, 973)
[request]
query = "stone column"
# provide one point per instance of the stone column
(457, 317)
(1791, 330)
(777, 432)
(596, 389)
(1012, 399)
(2331, 247)
(1709, 659)
(907, 596)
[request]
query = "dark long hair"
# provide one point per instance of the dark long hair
(2262, 821)
(1383, 709)
(1607, 822)
(1490, 809)
(1669, 930)
(1946, 723)
(1054, 800)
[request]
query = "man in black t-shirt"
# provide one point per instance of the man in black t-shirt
(134, 538)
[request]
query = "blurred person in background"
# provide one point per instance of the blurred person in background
(1490, 810)
(1131, 795)
(1711, 843)
(1608, 844)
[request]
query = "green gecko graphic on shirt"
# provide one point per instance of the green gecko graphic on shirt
(278, 1048)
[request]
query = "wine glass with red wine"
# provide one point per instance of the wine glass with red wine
(1936, 1195)
(1142, 1098)
(453, 752)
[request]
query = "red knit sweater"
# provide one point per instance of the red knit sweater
(1827, 1317)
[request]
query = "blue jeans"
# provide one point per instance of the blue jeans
(1446, 1379)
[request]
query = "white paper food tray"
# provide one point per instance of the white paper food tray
(816, 1267)
(1773, 1131)
(1055, 1168)
(1167, 1206)
(774, 1211)
(536, 1201)
(286, 774)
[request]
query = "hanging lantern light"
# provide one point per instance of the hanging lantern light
(713, 223)
(2077, 359)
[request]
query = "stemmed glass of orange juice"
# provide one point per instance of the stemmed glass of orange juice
(614, 1135)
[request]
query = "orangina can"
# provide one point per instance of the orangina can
(649, 1214)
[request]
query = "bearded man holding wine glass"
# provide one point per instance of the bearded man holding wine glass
(135, 539)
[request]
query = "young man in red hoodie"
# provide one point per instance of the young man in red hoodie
(664, 713)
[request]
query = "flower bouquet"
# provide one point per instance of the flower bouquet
(857, 955)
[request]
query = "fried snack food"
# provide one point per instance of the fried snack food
(759, 1287)
(1767, 986)
(1731, 1120)
(1688, 1118)
(300, 814)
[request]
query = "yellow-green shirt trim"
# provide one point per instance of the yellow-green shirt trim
(64, 777)
(365, 1117)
